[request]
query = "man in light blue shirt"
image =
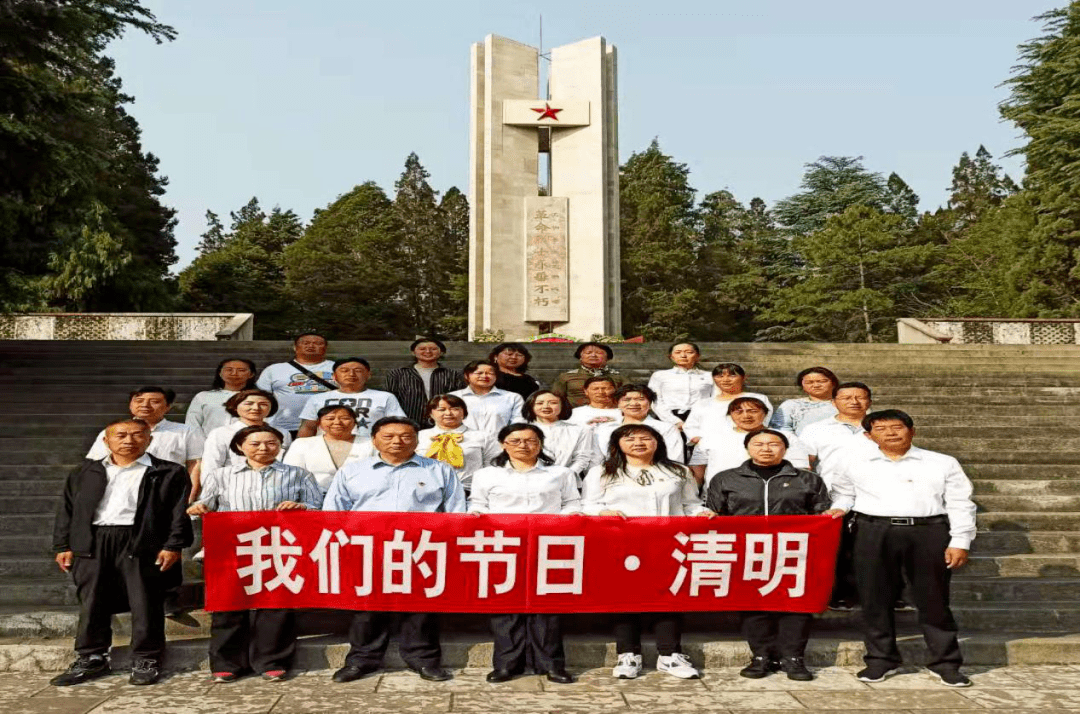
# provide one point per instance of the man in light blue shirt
(395, 479)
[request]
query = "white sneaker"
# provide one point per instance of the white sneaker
(677, 665)
(629, 666)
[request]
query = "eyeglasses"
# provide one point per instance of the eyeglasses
(522, 442)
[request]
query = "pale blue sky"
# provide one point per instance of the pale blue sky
(298, 102)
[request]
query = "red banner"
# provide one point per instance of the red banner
(426, 562)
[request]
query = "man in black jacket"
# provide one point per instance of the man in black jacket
(119, 531)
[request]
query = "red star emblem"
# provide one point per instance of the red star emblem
(547, 113)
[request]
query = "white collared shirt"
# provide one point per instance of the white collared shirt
(492, 411)
(121, 498)
(712, 414)
(541, 489)
(313, 454)
(828, 440)
(681, 389)
(171, 441)
(662, 493)
(216, 452)
(571, 445)
(584, 414)
(478, 447)
(669, 432)
(921, 483)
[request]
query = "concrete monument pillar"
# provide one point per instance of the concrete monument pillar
(544, 263)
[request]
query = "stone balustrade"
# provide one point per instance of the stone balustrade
(988, 331)
(127, 326)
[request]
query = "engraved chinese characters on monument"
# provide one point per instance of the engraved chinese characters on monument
(546, 260)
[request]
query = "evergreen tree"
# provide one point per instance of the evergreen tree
(344, 275)
(830, 186)
(977, 186)
(899, 198)
(660, 237)
(1043, 104)
(455, 211)
(859, 268)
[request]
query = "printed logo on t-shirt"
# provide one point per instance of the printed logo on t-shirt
(360, 405)
(300, 383)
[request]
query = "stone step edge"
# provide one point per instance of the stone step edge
(582, 652)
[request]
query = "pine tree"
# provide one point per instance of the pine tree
(830, 186)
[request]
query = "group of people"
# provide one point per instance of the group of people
(309, 434)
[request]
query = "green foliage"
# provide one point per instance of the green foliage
(245, 272)
(858, 268)
(830, 186)
(74, 169)
(1044, 103)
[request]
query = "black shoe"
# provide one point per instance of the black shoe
(350, 673)
(433, 674)
(173, 608)
(953, 678)
(795, 669)
(759, 667)
(877, 673)
(144, 671)
(560, 676)
(83, 669)
(496, 676)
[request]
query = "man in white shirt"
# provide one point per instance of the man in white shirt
(294, 382)
(828, 441)
(171, 441)
(370, 405)
(490, 408)
(119, 531)
(913, 517)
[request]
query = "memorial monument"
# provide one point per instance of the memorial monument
(544, 263)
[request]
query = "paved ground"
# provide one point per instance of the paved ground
(1019, 690)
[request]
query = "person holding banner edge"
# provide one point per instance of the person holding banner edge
(523, 479)
(766, 484)
(395, 479)
(638, 478)
(261, 640)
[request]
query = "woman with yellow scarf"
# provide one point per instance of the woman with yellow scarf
(450, 441)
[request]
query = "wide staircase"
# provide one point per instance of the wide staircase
(1006, 412)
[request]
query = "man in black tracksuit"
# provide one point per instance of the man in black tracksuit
(120, 527)
(767, 485)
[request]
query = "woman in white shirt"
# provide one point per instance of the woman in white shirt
(248, 407)
(206, 410)
(639, 479)
(524, 479)
(729, 380)
(336, 445)
(571, 445)
(600, 408)
(452, 442)
(684, 386)
(794, 415)
(635, 404)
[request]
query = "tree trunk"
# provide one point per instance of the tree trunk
(865, 308)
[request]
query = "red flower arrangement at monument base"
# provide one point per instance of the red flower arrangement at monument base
(556, 337)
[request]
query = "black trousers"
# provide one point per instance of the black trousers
(418, 639)
(688, 448)
(776, 634)
(103, 582)
(527, 641)
(845, 591)
(257, 640)
(884, 554)
(667, 627)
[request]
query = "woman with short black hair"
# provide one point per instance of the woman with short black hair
(571, 445)
(453, 442)
(416, 384)
(335, 445)
(794, 415)
(249, 407)
(523, 479)
(512, 360)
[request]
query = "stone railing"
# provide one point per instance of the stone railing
(988, 331)
(127, 326)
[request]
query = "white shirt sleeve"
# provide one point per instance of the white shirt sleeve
(959, 506)
(393, 407)
(592, 492)
(571, 497)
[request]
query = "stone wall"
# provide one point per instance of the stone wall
(989, 331)
(127, 326)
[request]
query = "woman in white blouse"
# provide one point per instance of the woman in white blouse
(729, 379)
(206, 410)
(635, 405)
(523, 479)
(639, 479)
(248, 407)
(684, 386)
(454, 443)
(332, 448)
(571, 445)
